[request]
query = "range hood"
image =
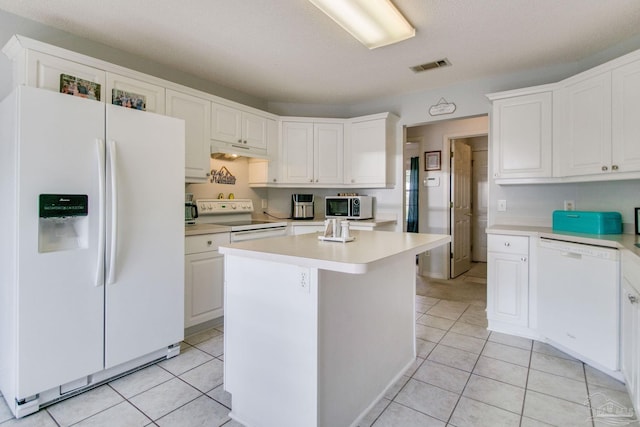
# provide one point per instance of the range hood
(231, 152)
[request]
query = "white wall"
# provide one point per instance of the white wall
(238, 168)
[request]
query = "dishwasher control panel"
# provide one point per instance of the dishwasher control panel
(580, 249)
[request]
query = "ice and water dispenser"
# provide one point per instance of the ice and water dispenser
(63, 223)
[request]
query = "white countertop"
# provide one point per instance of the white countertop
(357, 257)
(618, 241)
(373, 222)
(196, 229)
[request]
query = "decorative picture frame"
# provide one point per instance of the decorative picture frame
(128, 99)
(637, 220)
(76, 86)
(432, 160)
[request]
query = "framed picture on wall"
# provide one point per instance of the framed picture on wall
(432, 161)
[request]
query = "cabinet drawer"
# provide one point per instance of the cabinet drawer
(204, 242)
(508, 244)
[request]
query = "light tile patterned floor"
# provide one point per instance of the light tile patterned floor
(463, 376)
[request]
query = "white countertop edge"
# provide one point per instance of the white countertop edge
(329, 264)
(617, 241)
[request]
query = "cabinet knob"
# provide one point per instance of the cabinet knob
(244, 142)
(240, 141)
(353, 181)
(604, 168)
(632, 298)
(316, 180)
(311, 180)
(523, 259)
(274, 180)
(507, 244)
(209, 242)
(614, 167)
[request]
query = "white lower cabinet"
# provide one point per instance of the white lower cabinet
(203, 278)
(507, 282)
(630, 328)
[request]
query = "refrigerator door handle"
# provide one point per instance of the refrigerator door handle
(111, 272)
(101, 214)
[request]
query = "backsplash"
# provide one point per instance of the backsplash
(534, 204)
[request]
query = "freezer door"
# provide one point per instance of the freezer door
(145, 234)
(60, 284)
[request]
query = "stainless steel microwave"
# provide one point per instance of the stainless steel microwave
(348, 207)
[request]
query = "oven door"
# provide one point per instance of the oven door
(260, 233)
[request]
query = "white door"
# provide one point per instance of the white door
(145, 277)
(60, 297)
(461, 210)
(297, 145)
(328, 153)
(196, 113)
(480, 192)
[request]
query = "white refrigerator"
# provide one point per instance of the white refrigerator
(91, 243)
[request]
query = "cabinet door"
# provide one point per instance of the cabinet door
(226, 124)
(297, 146)
(625, 111)
(204, 278)
(365, 153)
(196, 114)
(328, 153)
(584, 127)
(254, 131)
(154, 97)
(44, 71)
(507, 288)
(521, 136)
(630, 339)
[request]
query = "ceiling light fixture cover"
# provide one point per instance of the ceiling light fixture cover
(374, 23)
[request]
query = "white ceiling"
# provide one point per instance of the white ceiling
(288, 51)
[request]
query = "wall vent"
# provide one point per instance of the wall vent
(430, 65)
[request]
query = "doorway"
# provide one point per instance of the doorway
(469, 202)
(435, 189)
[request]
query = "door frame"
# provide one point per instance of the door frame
(447, 146)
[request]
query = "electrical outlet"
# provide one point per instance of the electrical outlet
(304, 281)
(264, 203)
(569, 205)
(502, 205)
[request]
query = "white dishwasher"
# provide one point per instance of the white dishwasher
(578, 299)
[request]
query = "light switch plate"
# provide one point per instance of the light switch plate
(502, 205)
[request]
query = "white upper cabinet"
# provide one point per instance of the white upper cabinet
(263, 172)
(583, 126)
(297, 152)
(154, 95)
(521, 136)
(625, 114)
(312, 152)
(45, 71)
(196, 114)
(369, 150)
(328, 153)
(241, 131)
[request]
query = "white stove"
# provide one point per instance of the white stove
(236, 213)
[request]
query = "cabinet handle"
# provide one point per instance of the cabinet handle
(209, 242)
(507, 244)
(632, 298)
(614, 167)
(604, 168)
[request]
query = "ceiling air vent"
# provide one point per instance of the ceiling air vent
(430, 65)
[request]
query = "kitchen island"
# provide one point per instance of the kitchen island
(317, 331)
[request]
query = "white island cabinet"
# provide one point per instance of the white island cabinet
(316, 332)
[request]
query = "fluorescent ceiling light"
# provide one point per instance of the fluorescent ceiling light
(374, 23)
